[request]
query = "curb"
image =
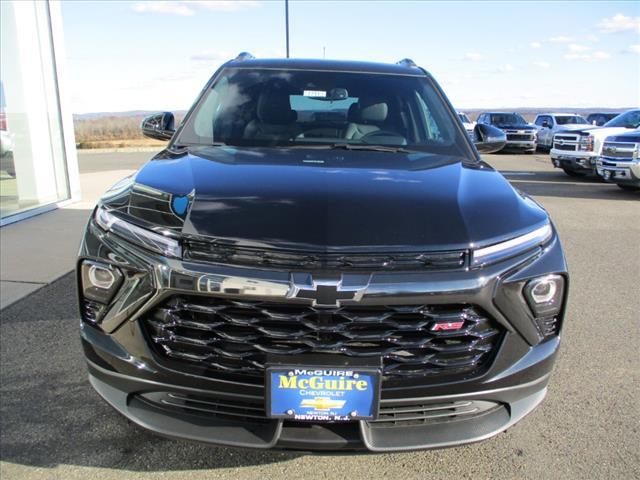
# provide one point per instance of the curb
(119, 150)
(41, 286)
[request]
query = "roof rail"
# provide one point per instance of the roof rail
(406, 62)
(244, 56)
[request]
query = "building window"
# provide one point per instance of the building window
(33, 169)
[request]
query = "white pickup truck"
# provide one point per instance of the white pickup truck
(549, 124)
(466, 123)
(577, 151)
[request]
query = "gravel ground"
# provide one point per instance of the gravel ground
(54, 426)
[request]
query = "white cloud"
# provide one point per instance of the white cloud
(561, 39)
(632, 49)
(187, 8)
(174, 8)
(575, 48)
(507, 67)
(587, 57)
(542, 64)
(619, 23)
(600, 55)
(473, 57)
(535, 44)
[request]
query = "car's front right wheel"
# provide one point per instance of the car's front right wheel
(573, 173)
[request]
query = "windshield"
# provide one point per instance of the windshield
(571, 120)
(283, 108)
(463, 118)
(630, 119)
(507, 119)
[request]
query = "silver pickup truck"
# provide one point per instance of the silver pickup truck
(620, 160)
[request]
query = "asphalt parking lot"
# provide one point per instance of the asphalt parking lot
(54, 426)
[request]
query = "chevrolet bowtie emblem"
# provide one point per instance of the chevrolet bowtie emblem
(327, 293)
(322, 403)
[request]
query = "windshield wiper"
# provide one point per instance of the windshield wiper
(373, 148)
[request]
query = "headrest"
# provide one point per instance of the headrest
(274, 107)
(368, 110)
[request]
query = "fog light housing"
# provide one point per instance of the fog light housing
(100, 281)
(544, 295)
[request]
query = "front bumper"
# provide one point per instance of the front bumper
(620, 172)
(130, 376)
(528, 145)
(576, 161)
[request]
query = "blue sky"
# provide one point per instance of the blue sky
(157, 55)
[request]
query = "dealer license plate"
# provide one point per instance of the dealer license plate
(322, 394)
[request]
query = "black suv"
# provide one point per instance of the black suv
(521, 136)
(320, 260)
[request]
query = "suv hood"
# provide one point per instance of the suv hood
(329, 200)
(602, 132)
(571, 127)
(516, 127)
(632, 136)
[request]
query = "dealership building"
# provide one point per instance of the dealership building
(39, 166)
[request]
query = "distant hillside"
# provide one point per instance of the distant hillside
(113, 129)
(122, 129)
(130, 113)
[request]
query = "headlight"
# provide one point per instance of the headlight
(586, 143)
(157, 242)
(100, 281)
(510, 248)
(544, 295)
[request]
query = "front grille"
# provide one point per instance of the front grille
(570, 148)
(205, 251)
(618, 150)
(237, 336)
(518, 136)
(424, 414)
(566, 138)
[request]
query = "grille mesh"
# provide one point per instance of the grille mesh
(618, 150)
(520, 136)
(388, 416)
(423, 414)
(570, 148)
(237, 336)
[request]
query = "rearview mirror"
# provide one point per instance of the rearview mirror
(488, 139)
(159, 126)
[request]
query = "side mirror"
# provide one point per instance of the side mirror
(545, 124)
(159, 126)
(488, 139)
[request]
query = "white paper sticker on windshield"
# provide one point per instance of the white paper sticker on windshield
(314, 93)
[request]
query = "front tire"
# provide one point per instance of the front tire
(573, 173)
